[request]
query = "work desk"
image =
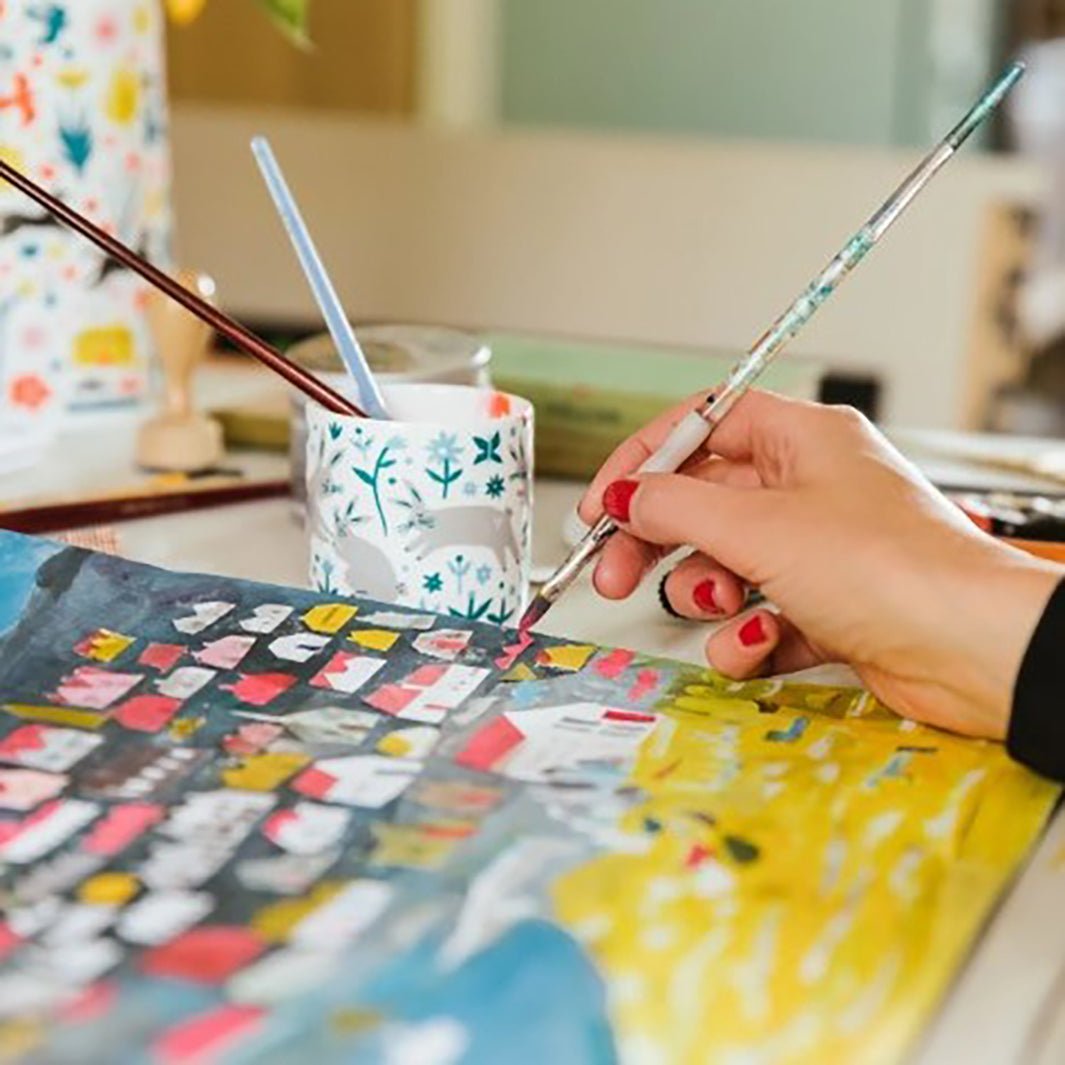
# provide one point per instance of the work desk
(1009, 1004)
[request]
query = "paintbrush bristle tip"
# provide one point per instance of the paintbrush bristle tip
(535, 612)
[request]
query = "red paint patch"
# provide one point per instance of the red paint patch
(646, 683)
(315, 783)
(122, 825)
(10, 941)
(274, 826)
(147, 713)
(512, 652)
(259, 689)
(26, 738)
(207, 1037)
(697, 855)
(162, 656)
(629, 715)
(391, 698)
(489, 745)
(208, 955)
(426, 676)
(499, 405)
(611, 666)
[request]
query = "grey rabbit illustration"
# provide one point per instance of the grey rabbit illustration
(466, 526)
(367, 569)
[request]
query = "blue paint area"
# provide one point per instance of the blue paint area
(20, 558)
(894, 770)
(791, 734)
(530, 997)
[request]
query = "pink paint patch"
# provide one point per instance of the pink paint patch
(94, 1002)
(646, 683)
(259, 689)
(251, 739)
(121, 827)
(162, 656)
(426, 676)
(207, 1037)
(208, 955)
(489, 745)
(314, 783)
(611, 666)
(147, 713)
(10, 940)
(94, 688)
(512, 652)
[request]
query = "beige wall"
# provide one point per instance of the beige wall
(688, 242)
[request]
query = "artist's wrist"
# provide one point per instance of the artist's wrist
(995, 609)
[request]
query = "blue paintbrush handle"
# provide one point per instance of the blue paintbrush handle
(325, 294)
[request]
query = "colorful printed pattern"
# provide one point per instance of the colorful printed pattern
(82, 111)
(434, 518)
(243, 823)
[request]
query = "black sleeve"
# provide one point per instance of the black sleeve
(1037, 725)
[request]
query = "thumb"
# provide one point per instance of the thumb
(673, 509)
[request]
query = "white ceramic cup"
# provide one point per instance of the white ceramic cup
(432, 510)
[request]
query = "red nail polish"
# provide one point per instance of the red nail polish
(705, 599)
(752, 632)
(617, 499)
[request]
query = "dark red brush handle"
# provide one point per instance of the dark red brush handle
(231, 329)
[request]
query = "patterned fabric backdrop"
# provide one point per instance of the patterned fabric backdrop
(82, 111)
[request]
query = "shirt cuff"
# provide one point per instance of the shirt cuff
(1036, 736)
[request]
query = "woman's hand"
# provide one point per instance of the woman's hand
(866, 562)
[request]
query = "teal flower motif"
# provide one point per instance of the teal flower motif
(495, 486)
(483, 574)
(433, 582)
(488, 449)
(469, 489)
(445, 448)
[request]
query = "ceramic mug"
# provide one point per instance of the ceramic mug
(432, 510)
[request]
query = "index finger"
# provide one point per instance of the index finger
(757, 418)
(632, 453)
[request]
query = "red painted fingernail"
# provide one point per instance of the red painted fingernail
(617, 499)
(705, 599)
(752, 632)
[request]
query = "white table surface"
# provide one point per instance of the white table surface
(1008, 1005)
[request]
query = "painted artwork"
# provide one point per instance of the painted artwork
(242, 823)
(82, 112)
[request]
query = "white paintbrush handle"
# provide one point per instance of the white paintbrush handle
(687, 437)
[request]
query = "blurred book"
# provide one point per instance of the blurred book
(590, 396)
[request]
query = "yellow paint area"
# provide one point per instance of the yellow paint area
(105, 646)
(185, 728)
(19, 1038)
(107, 346)
(395, 744)
(572, 657)
(109, 889)
(58, 715)
(124, 96)
(415, 846)
(265, 772)
(276, 922)
(329, 618)
(374, 639)
(807, 874)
